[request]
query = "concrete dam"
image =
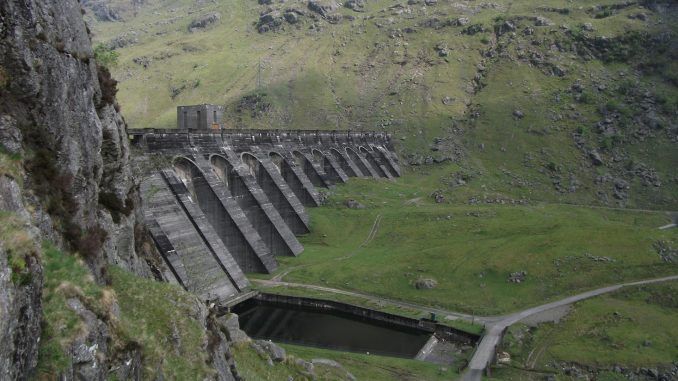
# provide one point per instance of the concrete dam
(227, 202)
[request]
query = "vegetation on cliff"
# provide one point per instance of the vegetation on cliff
(161, 321)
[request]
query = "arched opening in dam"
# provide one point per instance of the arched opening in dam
(386, 160)
(324, 162)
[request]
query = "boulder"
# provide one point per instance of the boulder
(447, 101)
(269, 21)
(333, 364)
(517, 277)
(461, 21)
(425, 283)
(204, 22)
(355, 5)
(232, 326)
(542, 21)
(438, 196)
(353, 204)
(323, 7)
(291, 17)
(276, 353)
(103, 12)
(307, 366)
(596, 158)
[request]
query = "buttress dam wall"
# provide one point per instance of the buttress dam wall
(227, 202)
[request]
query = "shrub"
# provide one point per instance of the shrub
(114, 205)
(667, 104)
(606, 143)
(612, 106)
(109, 86)
(584, 97)
(89, 243)
(626, 87)
(603, 14)
(19, 247)
(106, 56)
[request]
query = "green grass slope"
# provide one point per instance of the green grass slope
(524, 93)
(149, 315)
(633, 328)
(470, 250)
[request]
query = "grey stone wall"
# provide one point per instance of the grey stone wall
(252, 186)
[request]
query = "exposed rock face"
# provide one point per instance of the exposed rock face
(105, 13)
(64, 109)
(20, 309)
(204, 22)
(323, 7)
(356, 5)
(270, 349)
(57, 105)
(232, 326)
(20, 302)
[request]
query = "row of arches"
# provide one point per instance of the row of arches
(284, 179)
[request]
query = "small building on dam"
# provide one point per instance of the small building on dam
(223, 202)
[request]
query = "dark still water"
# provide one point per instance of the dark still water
(335, 330)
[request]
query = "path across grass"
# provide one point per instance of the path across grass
(487, 347)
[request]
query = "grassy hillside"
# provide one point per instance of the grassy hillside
(139, 313)
(552, 100)
(548, 127)
(632, 328)
(470, 250)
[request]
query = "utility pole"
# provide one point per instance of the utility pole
(259, 76)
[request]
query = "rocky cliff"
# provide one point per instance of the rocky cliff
(65, 178)
(58, 113)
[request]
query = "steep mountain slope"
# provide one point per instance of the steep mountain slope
(549, 100)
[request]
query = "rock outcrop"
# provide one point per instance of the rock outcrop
(59, 117)
(63, 106)
(20, 300)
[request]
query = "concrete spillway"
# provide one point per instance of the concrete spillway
(228, 202)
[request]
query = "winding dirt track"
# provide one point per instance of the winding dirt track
(495, 325)
(486, 349)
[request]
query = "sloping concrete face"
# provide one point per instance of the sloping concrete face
(258, 209)
(193, 255)
(238, 197)
(245, 243)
